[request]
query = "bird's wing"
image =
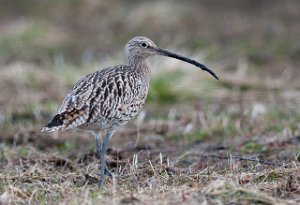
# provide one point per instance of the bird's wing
(78, 96)
(89, 98)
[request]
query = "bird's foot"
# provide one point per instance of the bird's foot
(108, 173)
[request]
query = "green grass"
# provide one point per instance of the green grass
(251, 147)
(197, 136)
(14, 43)
(163, 90)
(67, 147)
(42, 55)
(272, 176)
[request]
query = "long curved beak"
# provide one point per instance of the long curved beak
(164, 52)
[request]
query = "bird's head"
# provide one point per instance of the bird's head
(139, 48)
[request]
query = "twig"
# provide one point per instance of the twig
(244, 159)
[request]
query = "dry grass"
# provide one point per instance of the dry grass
(189, 156)
(44, 178)
(198, 141)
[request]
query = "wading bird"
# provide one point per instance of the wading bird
(109, 98)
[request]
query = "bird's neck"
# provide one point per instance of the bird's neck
(140, 65)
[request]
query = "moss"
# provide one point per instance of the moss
(269, 177)
(164, 90)
(252, 147)
(197, 136)
(274, 128)
(67, 147)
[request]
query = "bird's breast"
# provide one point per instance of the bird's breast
(123, 102)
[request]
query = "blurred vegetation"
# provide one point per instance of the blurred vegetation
(46, 46)
(37, 30)
(253, 46)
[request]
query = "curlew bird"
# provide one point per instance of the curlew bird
(109, 98)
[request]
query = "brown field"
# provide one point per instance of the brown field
(197, 141)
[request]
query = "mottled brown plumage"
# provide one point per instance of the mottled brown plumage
(105, 99)
(109, 98)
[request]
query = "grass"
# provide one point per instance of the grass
(252, 147)
(45, 186)
(191, 142)
(53, 168)
(163, 91)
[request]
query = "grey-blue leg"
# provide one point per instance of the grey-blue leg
(98, 151)
(102, 157)
(96, 136)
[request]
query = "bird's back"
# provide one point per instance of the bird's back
(105, 99)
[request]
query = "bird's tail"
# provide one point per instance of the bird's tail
(66, 120)
(55, 124)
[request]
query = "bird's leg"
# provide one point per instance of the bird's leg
(102, 157)
(96, 136)
(98, 151)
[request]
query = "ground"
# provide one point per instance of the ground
(197, 140)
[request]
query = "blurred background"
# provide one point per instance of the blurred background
(253, 46)
(253, 110)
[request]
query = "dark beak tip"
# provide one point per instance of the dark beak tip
(216, 77)
(164, 52)
(210, 72)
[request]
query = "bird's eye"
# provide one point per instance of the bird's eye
(144, 45)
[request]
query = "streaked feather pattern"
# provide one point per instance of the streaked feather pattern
(105, 99)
